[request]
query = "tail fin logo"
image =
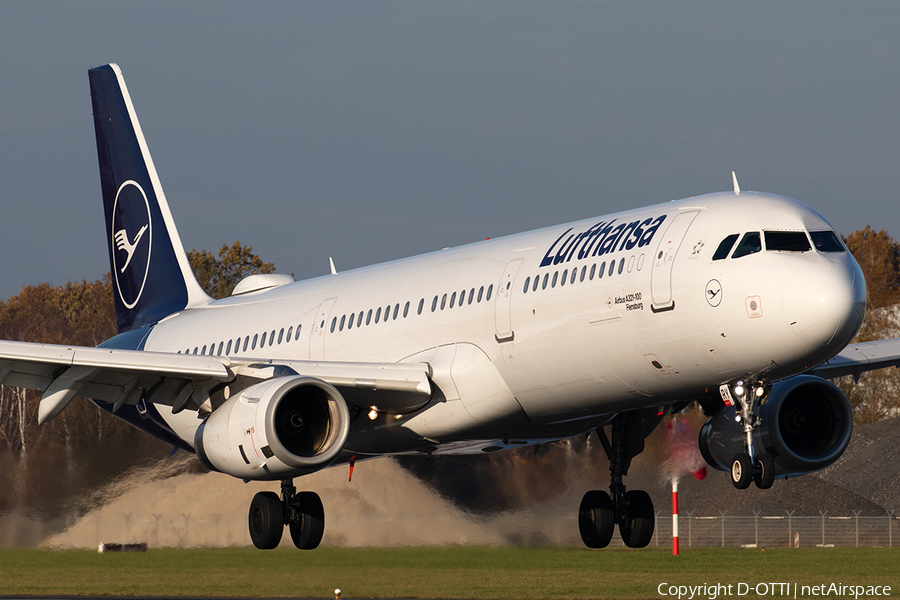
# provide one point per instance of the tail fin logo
(131, 242)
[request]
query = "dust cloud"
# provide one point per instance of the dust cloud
(384, 505)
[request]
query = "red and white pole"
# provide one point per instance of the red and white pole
(675, 517)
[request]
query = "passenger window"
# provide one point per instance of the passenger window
(490, 290)
(602, 270)
(406, 309)
(565, 277)
(387, 312)
(537, 280)
(349, 323)
(246, 342)
(297, 335)
(377, 314)
(725, 246)
(471, 295)
(333, 324)
(786, 241)
(612, 267)
(444, 302)
(204, 349)
(421, 306)
(452, 299)
(583, 273)
(290, 333)
(256, 338)
(826, 241)
(343, 320)
(574, 272)
(434, 304)
(359, 319)
(594, 268)
(546, 278)
(272, 338)
(280, 336)
(262, 342)
(527, 284)
(750, 244)
(369, 317)
(396, 311)
(228, 348)
(195, 349)
(555, 277)
(480, 292)
(621, 265)
(219, 351)
(462, 297)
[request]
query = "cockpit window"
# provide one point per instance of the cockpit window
(750, 244)
(787, 241)
(725, 247)
(826, 241)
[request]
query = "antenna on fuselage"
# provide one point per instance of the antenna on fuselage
(737, 188)
(331, 264)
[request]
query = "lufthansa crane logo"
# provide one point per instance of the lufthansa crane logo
(131, 242)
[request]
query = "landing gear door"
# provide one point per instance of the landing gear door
(317, 335)
(664, 260)
(502, 303)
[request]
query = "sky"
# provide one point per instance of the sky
(370, 131)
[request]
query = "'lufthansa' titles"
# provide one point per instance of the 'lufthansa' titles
(606, 237)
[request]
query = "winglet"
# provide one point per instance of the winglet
(737, 188)
(152, 277)
(331, 264)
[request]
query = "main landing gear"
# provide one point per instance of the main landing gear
(301, 512)
(750, 465)
(632, 510)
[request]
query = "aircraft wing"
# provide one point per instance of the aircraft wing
(128, 376)
(856, 359)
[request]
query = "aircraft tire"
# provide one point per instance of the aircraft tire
(764, 471)
(266, 520)
(307, 531)
(741, 471)
(637, 530)
(596, 519)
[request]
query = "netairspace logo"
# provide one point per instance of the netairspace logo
(775, 590)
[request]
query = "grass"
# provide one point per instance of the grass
(456, 572)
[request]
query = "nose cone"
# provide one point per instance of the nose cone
(825, 303)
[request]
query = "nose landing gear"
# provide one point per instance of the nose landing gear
(632, 511)
(301, 512)
(750, 465)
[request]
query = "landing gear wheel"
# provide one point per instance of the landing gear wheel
(764, 471)
(596, 519)
(266, 520)
(309, 524)
(637, 530)
(741, 471)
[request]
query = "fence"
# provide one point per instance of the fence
(785, 530)
(789, 529)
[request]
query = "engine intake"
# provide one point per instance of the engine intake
(281, 427)
(805, 426)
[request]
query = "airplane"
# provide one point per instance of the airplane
(742, 302)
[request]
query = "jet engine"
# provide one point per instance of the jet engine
(805, 425)
(282, 427)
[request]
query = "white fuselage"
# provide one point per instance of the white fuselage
(546, 333)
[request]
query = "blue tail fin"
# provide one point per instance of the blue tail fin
(151, 275)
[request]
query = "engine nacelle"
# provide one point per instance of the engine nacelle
(281, 427)
(805, 426)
